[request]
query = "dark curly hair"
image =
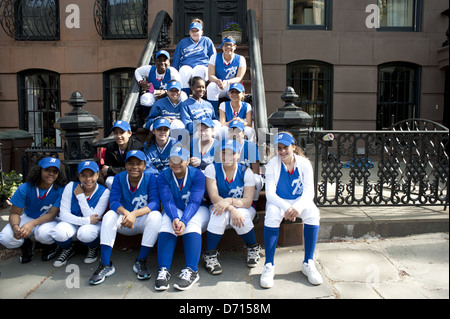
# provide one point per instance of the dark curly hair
(34, 177)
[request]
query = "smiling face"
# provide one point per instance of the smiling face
(228, 48)
(174, 95)
(88, 179)
(48, 177)
(195, 34)
(135, 167)
(121, 137)
(178, 166)
(161, 135)
(198, 89)
(162, 63)
(229, 158)
(235, 95)
(286, 153)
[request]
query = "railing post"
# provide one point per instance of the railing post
(78, 130)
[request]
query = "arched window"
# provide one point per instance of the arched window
(398, 93)
(40, 106)
(312, 81)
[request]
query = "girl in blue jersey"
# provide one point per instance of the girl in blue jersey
(290, 194)
(230, 186)
(157, 147)
(181, 189)
(39, 200)
(205, 149)
(224, 70)
(154, 79)
(168, 107)
(195, 108)
(82, 205)
(236, 109)
(192, 55)
(134, 203)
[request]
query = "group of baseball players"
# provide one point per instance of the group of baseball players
(196, 175)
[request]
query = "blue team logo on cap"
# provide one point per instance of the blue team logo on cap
(233, 145)
(195, 25)
(284, 139)
(88, 165)
(47, 162)
(161, 122)
(164, 53)
(173, 85)
(237, 86)
(124, 126)
(237, 124)
(138, 154)
(179, 151)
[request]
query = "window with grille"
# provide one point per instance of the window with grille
(121, 19)
(312, 82)
(398, 93)
(40, 106)
(309, 14)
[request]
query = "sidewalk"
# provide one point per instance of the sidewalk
(372, 267)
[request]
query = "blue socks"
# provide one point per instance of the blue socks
(212, 240)
(105, 254)
(166, 247)
(310, 232)
(270, 243)
(144, 252)
(192, 243)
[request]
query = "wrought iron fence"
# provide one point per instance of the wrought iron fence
(391, 167)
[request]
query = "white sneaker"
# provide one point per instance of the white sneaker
(268, 272)
(309, 270)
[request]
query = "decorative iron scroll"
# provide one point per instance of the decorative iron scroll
(381, 167)
(28, 20)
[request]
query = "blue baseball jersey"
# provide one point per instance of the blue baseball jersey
(145, 194)
(249, 153)
(234, 188)
(168, 76)
(290, 186)
(186, 194)
(163, 108)
(209, 157)
(192, 110)
(190, 53)
(229, 113)
(227, 71)
(92, 201)
(36, 202)
(157, 158)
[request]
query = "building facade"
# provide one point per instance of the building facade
(355, 64)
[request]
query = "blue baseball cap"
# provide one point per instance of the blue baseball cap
(284, 138)
(195, 25)
(225, 40)
(163, 52)
(136, 153)
(161, 122)
(237, 124)
(207, 121)
(124, 126)
(88, 165)
(179, 151)
(233, 145)
(237, 86)
(47, 162)
(173, 85)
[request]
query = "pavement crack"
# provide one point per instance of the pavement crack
(28, 293)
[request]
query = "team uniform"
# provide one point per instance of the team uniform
(183, 199)
(165, 108)
(209, 156)
(122, 194)
(191, 59)
(283, 190)
(242, 114)
(192, 112)
(35, 202)
(157, 158)
(75, 221)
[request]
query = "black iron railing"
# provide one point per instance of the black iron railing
(395, 167)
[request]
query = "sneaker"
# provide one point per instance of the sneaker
(162, 281)
(27, 251)
(268, 272)
(211, 262)
(188, 277)
(309, 270)
(91, 255)
(140, 268)
(64, 257)
(101, 273)
(49, 252)
(253, 255)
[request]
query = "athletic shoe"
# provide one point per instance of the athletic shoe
(27, 251)
(49, 252)
(162, 280)
(212, 262)
(309, 270)
(140, 268)
(101, 273)
(91, 255)
(253, 255)
(268, 272)
(64, 257)
(188, 277)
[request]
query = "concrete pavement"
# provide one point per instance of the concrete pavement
(370, 267)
